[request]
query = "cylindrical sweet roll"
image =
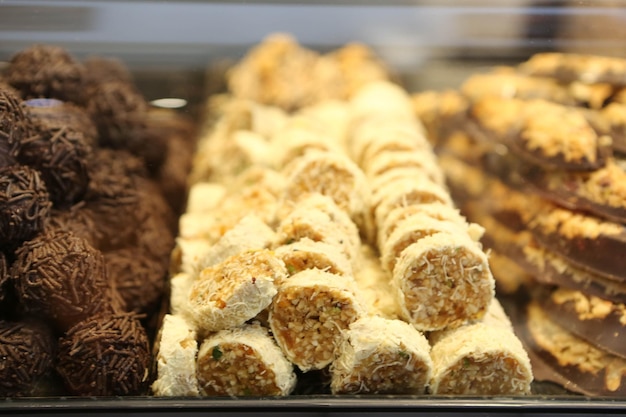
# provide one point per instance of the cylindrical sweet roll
(294, 141)
(318, 218)
(308, 254)
(409, 231)
(436, 211)
(381, 356)
(243, 361)
(235, 290)
(381, 96)
(330, 174)
(309, 314)
(374, 285)
(405, 193)
(443, 281)
(480, 359)
(176, 359)
(388, 160)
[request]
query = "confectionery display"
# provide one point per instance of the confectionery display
(539, 141)
(320, 242)
(87, 230)
(315, 229)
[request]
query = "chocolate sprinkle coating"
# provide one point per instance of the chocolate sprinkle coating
(4, 276)
(113, 198)
(104, 356)
(104, 69)
(138, 277)
(59, 152)
(44, 71)
(56, 114)
(119, 111)
(24, 205)
(77, 219)
(60, 277)
(27, 352)
(15, 126)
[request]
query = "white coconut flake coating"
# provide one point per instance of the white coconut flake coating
(409, 231)
(176, 359)
(480, 359)
(204, 196)
(309, 314)
(381, 356)
(249, 233)
(180, 287)
(187, 254)
(235, 290)
(443, 281)
(388, 160)
(405, 193)
(308, 254)
(331, 174)
(243, 361)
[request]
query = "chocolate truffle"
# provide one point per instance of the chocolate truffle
(113, 198)
(104, 69)
(59, 276)
(59, 152)
(77, 219)
(4, 276)
(24, 205)
(105, 355)
(27, 352)
(57, 114)
(138, 277)
(47, 71)
(15, 125)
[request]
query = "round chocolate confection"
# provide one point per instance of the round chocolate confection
(43, 71)
(59, 152)
(113, 198)
(77, 219)
(138, 277)
(59, 276)
(4, 276)
(56, 114)
(104, 69)
(27, 352)
(24, 205)
(15, 126)
(121, 116)
(105, 355)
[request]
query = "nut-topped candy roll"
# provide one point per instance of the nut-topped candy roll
(480, 359)
(243, 361)
(176, 359)
(320, 219)
(381, 356)
(437, 211)
(250, 233)
(333, 175)
(235, 290)
(443, 281)
(409, 231)
(309, 314)
(307, 254)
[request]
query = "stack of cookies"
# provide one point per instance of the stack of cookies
(535, 154)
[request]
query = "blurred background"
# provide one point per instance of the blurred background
(174, 45)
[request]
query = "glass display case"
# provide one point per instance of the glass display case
(180, 55)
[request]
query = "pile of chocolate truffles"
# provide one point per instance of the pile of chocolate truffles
(86, 224)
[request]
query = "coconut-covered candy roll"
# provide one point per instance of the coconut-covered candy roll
(176, 359)
(332, 174)
(375, 285)
(249, 233)
(308, 254)
(480, 359)
(381, 356)
(409, 231)
(309, 314)
(243, 361)
(235, 290)
(443, 281)
(386, 161)
(320, 219)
